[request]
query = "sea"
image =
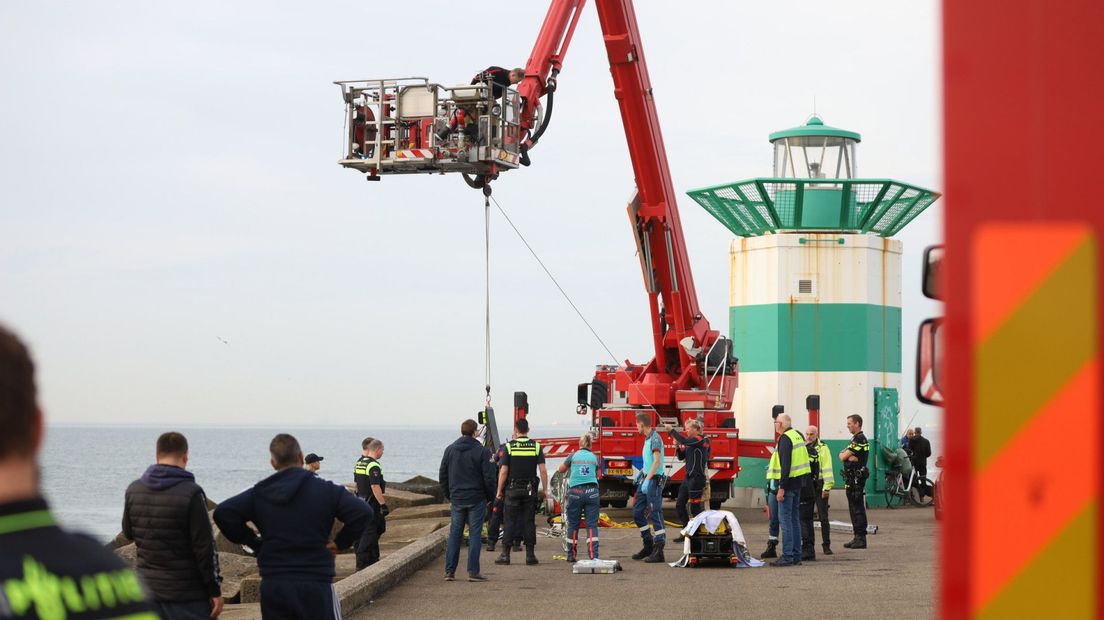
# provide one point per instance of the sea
(85, 470)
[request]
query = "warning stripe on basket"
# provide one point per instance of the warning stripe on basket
(414, 154)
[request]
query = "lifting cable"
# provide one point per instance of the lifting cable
(554, 281)
(488, 198)
(487, 281)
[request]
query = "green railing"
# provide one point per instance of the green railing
(759, 206)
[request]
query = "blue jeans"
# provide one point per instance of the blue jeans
(790, 518)
(472, 516)
(648, 512)
(582, 499)
(772, 508)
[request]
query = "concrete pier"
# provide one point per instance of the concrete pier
(894, 577)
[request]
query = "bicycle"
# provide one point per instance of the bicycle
(917, 490)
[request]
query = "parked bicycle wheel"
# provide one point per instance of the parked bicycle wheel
(893, 495)
(922, 492)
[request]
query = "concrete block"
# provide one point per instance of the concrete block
(422, 486)
(127, 553)
(250, 590)
(747, 497)
(397, 498)
(410, 530)
(359, 589)
(420, 512)
(118, 541)
(234, 569)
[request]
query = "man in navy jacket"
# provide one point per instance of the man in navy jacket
(468, 481)
(294, 510)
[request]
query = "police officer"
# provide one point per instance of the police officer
(517, 488)
(855, 473)
(46, 571)
(809, 496)
(494, 525)
(368, 475)
(823, 483)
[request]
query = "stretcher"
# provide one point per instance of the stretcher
(715, 536)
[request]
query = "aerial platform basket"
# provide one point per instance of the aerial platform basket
(412, 126)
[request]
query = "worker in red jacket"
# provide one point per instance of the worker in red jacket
(499, 80)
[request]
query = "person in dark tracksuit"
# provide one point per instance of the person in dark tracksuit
(694, 449)
(368, 475)
(855, 473)
(294, 511)
(517, 486)
(45, 571)
(165, 514)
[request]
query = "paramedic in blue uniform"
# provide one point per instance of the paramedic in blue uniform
(693, 448)
(648, 500)
(582, 497)
(518, 488)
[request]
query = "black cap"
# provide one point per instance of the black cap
(312, 458)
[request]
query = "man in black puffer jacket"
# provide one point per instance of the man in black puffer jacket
(294, 511)
(165, 514)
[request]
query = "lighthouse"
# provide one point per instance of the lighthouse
(815, 293)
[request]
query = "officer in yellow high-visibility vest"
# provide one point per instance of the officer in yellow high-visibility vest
(773, 471)
(792, 474)
(518, 488)
(368, 476)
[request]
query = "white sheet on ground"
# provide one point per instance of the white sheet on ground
(711, 520)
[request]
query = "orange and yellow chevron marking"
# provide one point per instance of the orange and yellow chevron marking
(1037, 407)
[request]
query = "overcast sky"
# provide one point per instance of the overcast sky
(168, 179)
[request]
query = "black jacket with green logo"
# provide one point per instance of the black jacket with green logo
(46, 572)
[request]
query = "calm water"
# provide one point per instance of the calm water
(85, 470)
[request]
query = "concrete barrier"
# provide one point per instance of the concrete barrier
(358, 589)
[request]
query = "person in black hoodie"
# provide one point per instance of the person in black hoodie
(468, 480)
(165, 514)
(294, 511)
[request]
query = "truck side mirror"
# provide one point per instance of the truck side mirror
(583, 396)
(929, 362)
(933, 260)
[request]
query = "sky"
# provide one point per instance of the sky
(169, 182)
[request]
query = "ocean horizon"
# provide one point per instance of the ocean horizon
(86, 468)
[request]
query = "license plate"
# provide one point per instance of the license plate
(617, 471)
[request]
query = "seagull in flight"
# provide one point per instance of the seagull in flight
(220, 339)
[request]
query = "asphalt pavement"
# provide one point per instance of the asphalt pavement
(895, 577)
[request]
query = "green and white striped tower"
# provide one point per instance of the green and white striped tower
(815, 291)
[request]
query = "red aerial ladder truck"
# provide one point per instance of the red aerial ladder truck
(391, 128)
